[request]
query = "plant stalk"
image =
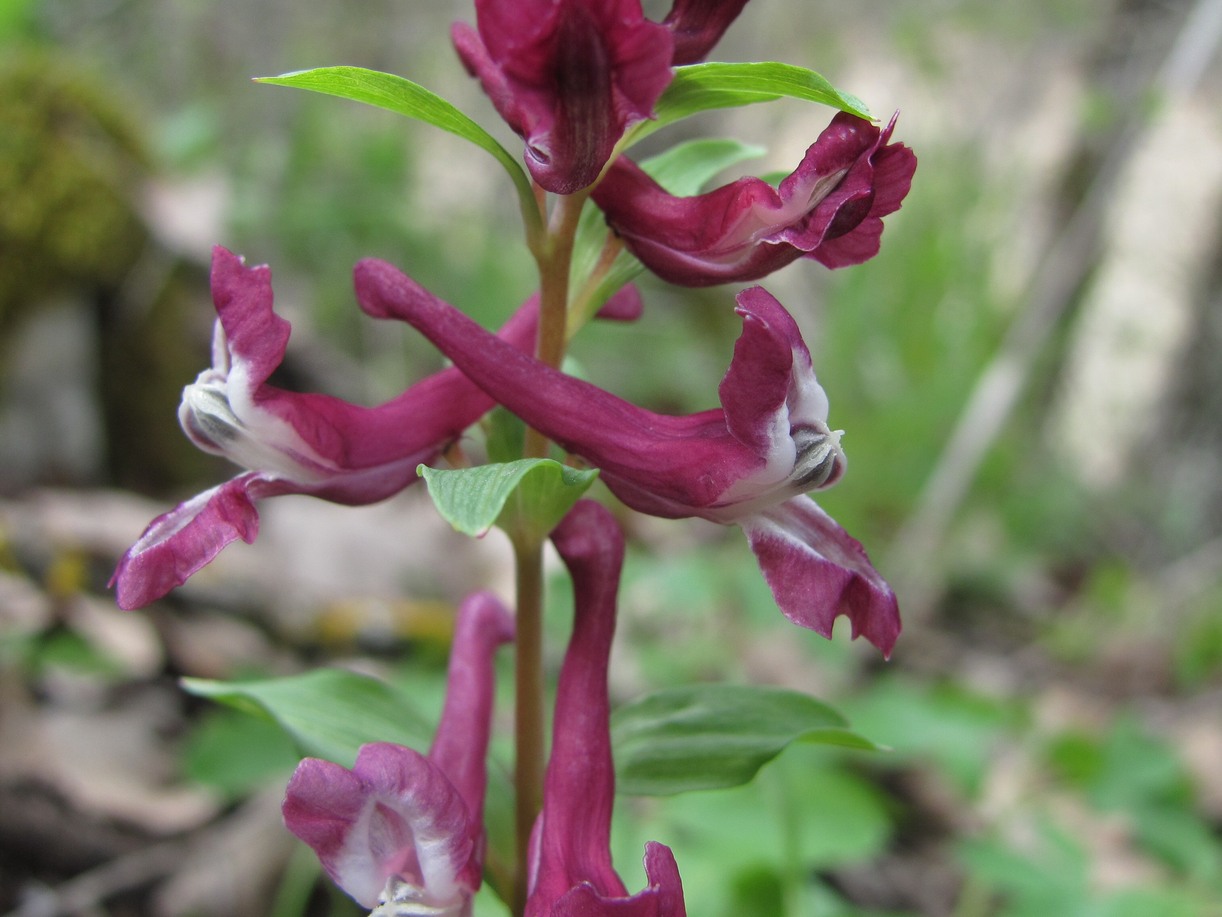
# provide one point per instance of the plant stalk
(553, 255)
(529, 758)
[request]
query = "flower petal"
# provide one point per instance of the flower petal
(697, 25)
(254, 336)
(574, 842)
(893, 167)
(179, 543)
(817, 572)
(395, 814)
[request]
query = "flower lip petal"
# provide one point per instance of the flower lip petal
(252, 332)
(818, 572)
(179, 543)
(394, 815)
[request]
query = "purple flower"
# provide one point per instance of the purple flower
(401, 829)
(292, 443)
(569, 76)
(830, 209)
(571, 874)
(748, 462)
(697, 25)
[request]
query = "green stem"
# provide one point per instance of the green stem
(554, 257)
(529, 760)
(553, 254)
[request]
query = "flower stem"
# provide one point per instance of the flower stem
(553, 254)
(554, 258)
(529, 759)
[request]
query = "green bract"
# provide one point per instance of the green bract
(526, 498)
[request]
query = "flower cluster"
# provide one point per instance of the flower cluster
(403, 832)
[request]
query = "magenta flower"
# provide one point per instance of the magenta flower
(292, 443)
(571, 874)
(400, 831)
(569, 76)
(697, 25)
(830, 209)
(748, 462)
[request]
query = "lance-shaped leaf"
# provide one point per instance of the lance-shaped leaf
(704, 87)
(710, 736)
(394, 93)
(328, 712)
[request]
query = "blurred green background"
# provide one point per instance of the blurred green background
(1027, 376)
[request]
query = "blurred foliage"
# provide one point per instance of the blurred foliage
(70, 155)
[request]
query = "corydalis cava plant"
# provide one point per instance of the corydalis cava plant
(579, 82)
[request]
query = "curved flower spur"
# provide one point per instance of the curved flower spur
(748, 462)
(402, 832)
(571, 873)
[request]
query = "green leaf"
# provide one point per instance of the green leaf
(236, 753)
(704, 87)
(394, 93)
(525, 498)
(329, 713)
(708, 736)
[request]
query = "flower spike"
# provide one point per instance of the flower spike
(569, 76)
(401, 832)
(767, 445)
(571, 874)
(830, 209)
